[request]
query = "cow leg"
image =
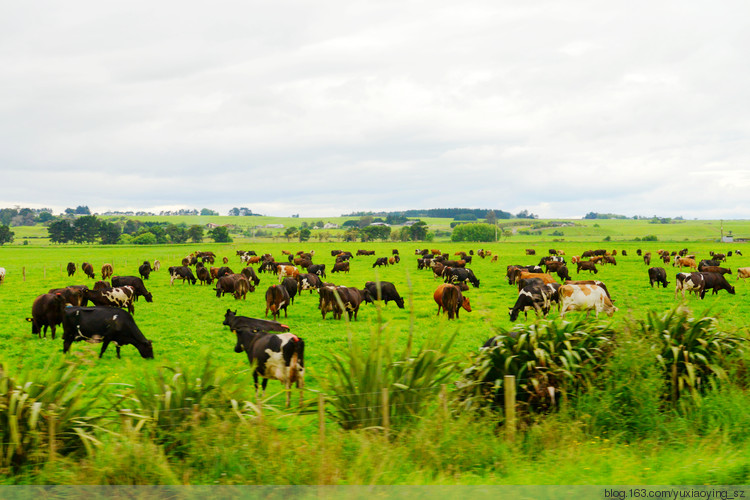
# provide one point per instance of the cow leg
(117, 348)
(52, 329)
(66, 345)
(105, 344)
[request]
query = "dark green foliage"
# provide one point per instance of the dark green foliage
(177, 234)
(195, 233)
(370, 233)
(6, 235)
(478, 232)
(86, 229)
(61, 231)
(109, 233)
(304, 234)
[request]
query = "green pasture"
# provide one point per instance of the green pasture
(184, 323)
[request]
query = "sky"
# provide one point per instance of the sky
(323, 108)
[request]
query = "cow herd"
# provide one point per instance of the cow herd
(279, 354)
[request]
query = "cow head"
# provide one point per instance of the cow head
(146, 349)
(229, 317)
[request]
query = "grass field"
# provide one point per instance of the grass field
(184, 323)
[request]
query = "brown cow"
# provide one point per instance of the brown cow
(450, 299)
(88, 270)
(277, 298)
(520, 274)
(743, 272)
(46, 311)
(341, 266)
(685, 262)
(586, 265)
(107, 271)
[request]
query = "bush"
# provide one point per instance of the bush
(145, 239)
(474, 232)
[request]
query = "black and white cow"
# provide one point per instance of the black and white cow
(308, 281)
(385, 291)
(459, 275)
(121, 296)
(105, 325)
(532, 298)
(181, 272)
(319, 269)
(136, 283)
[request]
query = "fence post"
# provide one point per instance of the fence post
(321, 418)
(509, 388)
(386, 412)
(24, 273)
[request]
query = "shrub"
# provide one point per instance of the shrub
(549, 358)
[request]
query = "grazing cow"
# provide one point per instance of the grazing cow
(121, 296)
(73, 295)
(530, 251)
(586, 265)
(88, 270)
(639, 252)
(365, 252)
(552, 267)
(204, 275)
(520, 274)
(657, 275)
(563, 273)
(319, 269)
(268, 266)
(340, 266)
(100, 285)
(287, 272)
(449, 297)
(107, 271)
(585, 298)
(145, 270)
(531, 298)
(385, 291)
(459, 275)
(715, 282)
(715, 269)
(743, 272)
(223, 271)
(136, 283)
(685, 262)
(394, 260)
(647, 258)
(598, 283)
(351, 299)
(236, 284)
(308, 281)
(609, 259)
(523, 283)
(708, 263)
(690, 282)
(291, 287)
(156, 266)
(105, 325)
(329, 302)
(46, 311)
(277, 298)
(249, 273)
(381, 261)
(278, 356)
(182, 272)
(71, 269)
(718, 256)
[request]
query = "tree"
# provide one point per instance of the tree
(418, 231)
(220, 235)
(86, 229)
(375, 233)
(7, 214)
(82, 210)
(6, 235)
(208, 211)
(290, 232)
(45, 217)
(474, 232)
(491, 218)
(176, 233)
(304, 234)
(132, 226)
(60, 231)
(365, 221)
(109, 233)
(195, 233)
(145, 238)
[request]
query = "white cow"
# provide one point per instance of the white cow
(690, 282)
(585, 298)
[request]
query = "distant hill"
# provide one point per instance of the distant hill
(449, 213)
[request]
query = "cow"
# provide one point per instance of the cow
(268, 266)
(563, 273)
(287, 272)
(277, 298)
(352, 298)
(71, 269)
(73, 295)
(657, 275)
(585, 298)
(365, 252)
(291, 287)
(449, 298)
(530, 251)
(552, 266)
(121, 296)
(107, 271)
(609, 259)
(394, 260)
(100, 285)
(145, 270)
(88, 270)
(708, 263)
(385, 291)
(204, 275)
(715, 282)
(255, 325)
(279, 356)
(136, 283)
(105, 325)
(511, 271)
(381, 261)
(520, 274)
(685, 262)
(328, 301)
(236, 284)
(223, 271)
(743, 272)
(156, 266)
(459, 275)
(46, 312)
(181, 272)
(715, 269)
(319, 269)
(647, 258)
(249, 273)
(586, 265)
(308, 281)
(718, 256)
(691, 282)
(598, 283)
(340, 267)
(531, 298)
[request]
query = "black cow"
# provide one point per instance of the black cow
(532, 297)
(136, 283)
(105, 325)
(715, 282)
(71, 269)
(235, 322)
(204, 275)
(88, 270)
(183, 272)
(249, 273)
(291, 287)
(563, 273)
(319, 269)
(657, 275)
(708, 263)
(223, 271)
(385, 291)
(459, 275)
(277, 298)
(278, 356)
(145, 270)
(46, 311)
(381, 261)
(352, 298)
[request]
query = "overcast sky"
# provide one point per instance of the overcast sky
(321, 108)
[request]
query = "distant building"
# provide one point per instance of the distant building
(380, 224)
(330, 225)
(274, 226)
